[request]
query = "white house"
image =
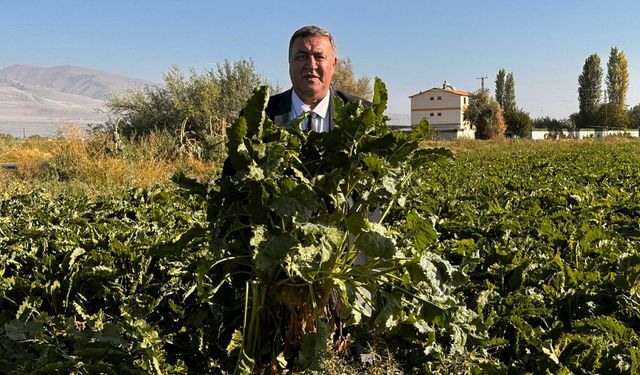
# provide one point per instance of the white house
(444, 109)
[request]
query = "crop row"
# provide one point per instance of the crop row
(544, 246)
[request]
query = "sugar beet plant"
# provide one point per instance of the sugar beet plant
(313, 233)
(550, 243)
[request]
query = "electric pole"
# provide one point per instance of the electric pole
(482, 81)
(606, 110)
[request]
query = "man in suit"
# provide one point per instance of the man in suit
(312, 60)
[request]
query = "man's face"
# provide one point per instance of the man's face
(311, 66)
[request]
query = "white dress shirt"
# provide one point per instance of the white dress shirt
(319, 120)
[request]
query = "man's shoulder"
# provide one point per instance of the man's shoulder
(279, 103)
(281, 96)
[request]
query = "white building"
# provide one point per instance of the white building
(444, 109)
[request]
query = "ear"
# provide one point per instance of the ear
(335, 61)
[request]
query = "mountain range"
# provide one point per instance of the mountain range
(51, 96)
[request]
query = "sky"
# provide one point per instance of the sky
(412, 45)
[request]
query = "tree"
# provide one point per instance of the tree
(236, 82)
(589, 91)
(518, 122)
(552, 125)
(500, 83)
(181, 102)
(509, 99)
(573, 120)
(611, 115)
(617, 77)
(486, 115)
(344, 79)
(195, 111)
(496, 127)
(505, 90)
(634, 116)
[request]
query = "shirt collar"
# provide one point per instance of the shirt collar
(298, 107)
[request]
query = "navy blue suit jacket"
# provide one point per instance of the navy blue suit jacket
(279, 106)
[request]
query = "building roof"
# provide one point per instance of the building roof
(455, 92)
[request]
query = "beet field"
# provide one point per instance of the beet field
(360, 250)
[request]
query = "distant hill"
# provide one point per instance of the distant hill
(52, 95)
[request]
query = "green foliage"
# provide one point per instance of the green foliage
(291, 215)
(486, 115)
(235, 82)
(589, 92)
(81, 294)
(551, 124)
(156, 107)
(509, 93)
(634, 117)
(551, 252)
(519, 122)
(514, 258)
(500, 86)
(612, 116)
(344, 79)
(194, 110)
(617, 78)
(506, 91)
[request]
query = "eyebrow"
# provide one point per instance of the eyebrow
(303, 52)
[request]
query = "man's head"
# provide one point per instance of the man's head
(312, 59)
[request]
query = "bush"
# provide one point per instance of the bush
(194, 111)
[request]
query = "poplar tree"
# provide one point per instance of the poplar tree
(509, 99)
(589, 91)
(617, 77)
(500, 82)
(615, 114)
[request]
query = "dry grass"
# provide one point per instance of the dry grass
(93, 161)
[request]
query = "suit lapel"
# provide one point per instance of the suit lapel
(279, 108)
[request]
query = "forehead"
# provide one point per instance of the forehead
(312, 43)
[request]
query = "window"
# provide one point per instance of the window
(439, 113)
(439, 97)
(431, 114)
(432, 98)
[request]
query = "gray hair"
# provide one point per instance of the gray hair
(309, 31)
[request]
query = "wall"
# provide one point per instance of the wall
(538, 134)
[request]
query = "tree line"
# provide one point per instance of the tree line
(599, 108)
(195, 109)
(605, 108)
(495, 117)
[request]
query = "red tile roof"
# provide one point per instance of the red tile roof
(456, 92)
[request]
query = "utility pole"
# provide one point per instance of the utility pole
(606, 109)
(482, 80)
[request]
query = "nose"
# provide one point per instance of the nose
(312, 62)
